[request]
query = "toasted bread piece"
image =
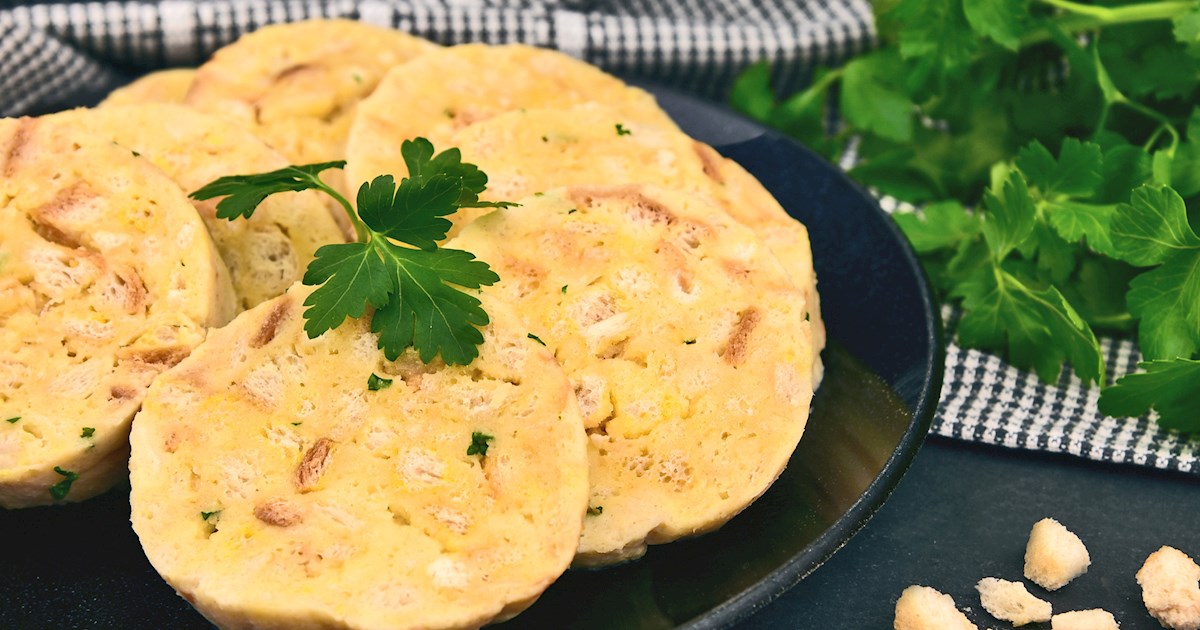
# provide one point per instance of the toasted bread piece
(163, 86)
(531, 150)
(451, 88)
(1170, 582)
(274, 489)
(1054, 555)
(683, 338)
(1094, 619)
(925, 608)
(266, 253)
(107, 277)
(1012, 602)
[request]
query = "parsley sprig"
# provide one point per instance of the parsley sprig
(1053, 148)
(396, 266)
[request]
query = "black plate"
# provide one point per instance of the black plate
(81, 566)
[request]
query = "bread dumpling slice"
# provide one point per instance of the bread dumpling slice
(532, 150)
(107, 277)
(297, 85)
(265, 253)
(683, 340)
(278, 483)
(162, 86)
(447, 89)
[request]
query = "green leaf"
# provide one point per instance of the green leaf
(1107, 88)
(1125, 167)
(1055, 256)
(1004, 21)
(429, 314)
(1152, 226)
(1187, 27)
(413, 213)
(1037, 329)
(423, 165)
(1185, 169)
(937, 35)
(871, 102)
(1010, 216)
(1075, 221)
(1076, 172)
(751, 92)
(939, 225)
(87, 432)
(351, 276)
(243, 193)
(1171, 387)
(1167, 300)
(479, 444)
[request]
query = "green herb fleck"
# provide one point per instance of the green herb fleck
(595, 511)
(13, 420)
(622, 131)
(536, 338)
(545, 139)
(479, 444)
(87, 432)
(357, 77)
(376, 383)
(208, 515)
(296, 424)
(564, 288)
(690, 341)
(136, 154)
(572, 211)
(59, 490)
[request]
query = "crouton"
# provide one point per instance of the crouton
(1011, 601)
(1170, 582)
(1054, 556)
(1094, 619)
(924, 608)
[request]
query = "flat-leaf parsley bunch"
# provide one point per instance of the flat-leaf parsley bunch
(395, 266)
(1054, 147)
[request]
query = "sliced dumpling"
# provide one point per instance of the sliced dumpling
(107, 277)
(287, 482)
(445, 90)
(531, 150)
(683, 339)
(163, 86)
(265, 253)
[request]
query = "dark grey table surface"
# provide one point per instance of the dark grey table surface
(963, 512)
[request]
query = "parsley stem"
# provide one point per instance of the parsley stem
(1086, 17)
(1120, 15)
(360, 229)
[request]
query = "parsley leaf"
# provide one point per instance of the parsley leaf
(1003, 21)
(376, 383)
(479, 444)
(595, 511)
(1075, 173)
(1009, 221)
(535, 338)
(87, 432)
(1152, 226)
(416, 292)
(1171, 387)
(208, 515)
(1167, 301)
(59, 490)
(243, 193)
(941, 225)
(13, 420)
(622, 130)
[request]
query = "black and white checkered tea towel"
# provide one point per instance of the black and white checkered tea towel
(54, 54)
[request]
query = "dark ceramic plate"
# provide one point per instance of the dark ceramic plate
(80, 566)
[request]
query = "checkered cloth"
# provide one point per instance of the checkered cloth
(54, 54)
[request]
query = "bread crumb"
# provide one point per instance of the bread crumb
(924, 608)
(1170, 582)
(1011, 601)
(1054, 556)
(1094, 619)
